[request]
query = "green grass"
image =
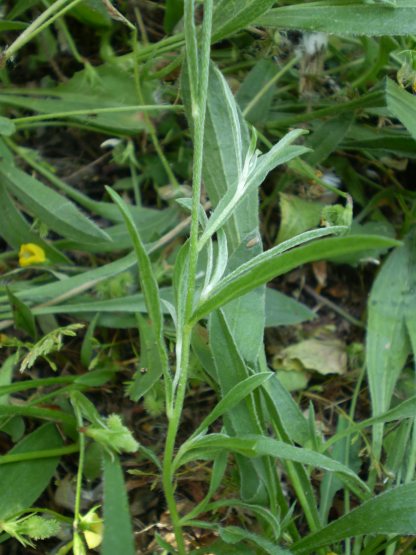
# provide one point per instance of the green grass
(160, 164)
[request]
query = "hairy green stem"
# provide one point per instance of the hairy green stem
(80, 471)
(198, 69)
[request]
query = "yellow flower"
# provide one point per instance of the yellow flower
(30, 253)
(93, 528)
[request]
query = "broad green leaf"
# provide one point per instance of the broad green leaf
(393, 512)
(226, 143)
(118, 531)
(226, 146)
(23, 482)
(7, 127)
(297, 215)
(402, 105)
(344, 17)
(391, 304)
(242, 418)
(248, 308)
(231, 16)
(51, 208)
(273, 263)
(93, 13)
(282, 310)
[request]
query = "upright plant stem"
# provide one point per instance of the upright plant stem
(77, 507)
(198, 69)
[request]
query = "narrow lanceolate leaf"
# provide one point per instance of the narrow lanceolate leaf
(148, 284)
(118, 532)
(341, 17)
(280, 153)
(151, 363)
(52, 209)
(232, 398)
(148, 280)
(226, 143)
(252, 445)
(23, 482)
(393, 512)
(402, 105)
(243, 417)
(274, 262)
(232, 15)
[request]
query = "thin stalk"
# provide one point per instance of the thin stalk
(36, 27)
(268, 85)
(347, 497)
(95, 111)
(34, 384)
(370, 100)
(78, 490)
(135, 183)
(198, 75)
(43, 454)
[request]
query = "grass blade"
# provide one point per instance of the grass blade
(393, 512)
